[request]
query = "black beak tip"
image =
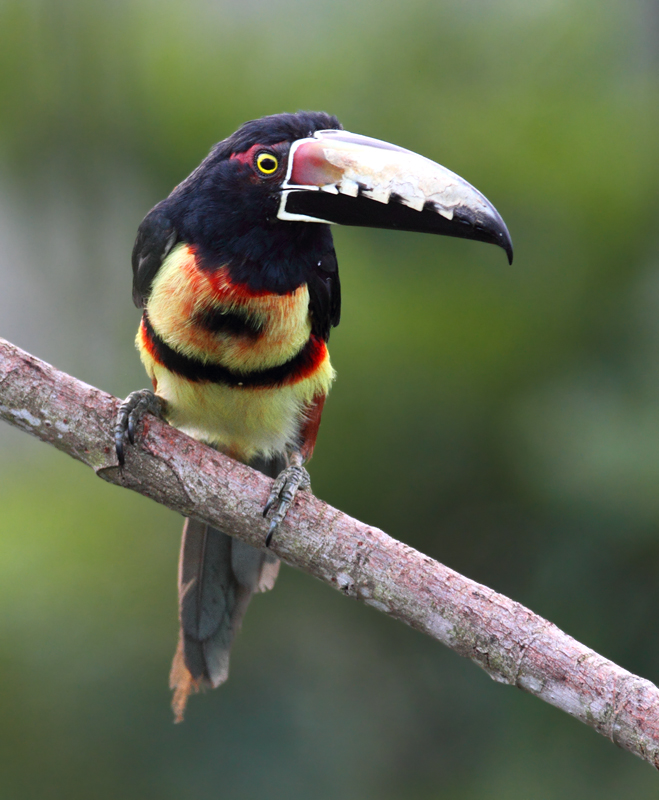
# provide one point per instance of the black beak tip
(507, 245)
(503, 238)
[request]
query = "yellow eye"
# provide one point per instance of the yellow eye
(267, 163)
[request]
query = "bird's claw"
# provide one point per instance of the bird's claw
(284, 489)
(131, 411)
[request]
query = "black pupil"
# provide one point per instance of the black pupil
(268, 163)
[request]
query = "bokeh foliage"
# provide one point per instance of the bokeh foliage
(502, 419)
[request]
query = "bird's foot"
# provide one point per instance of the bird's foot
(284, 489)
(131, 411)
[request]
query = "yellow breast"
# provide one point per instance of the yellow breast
(241, 420)
(181, 292)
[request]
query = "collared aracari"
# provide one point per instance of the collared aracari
(238, 279)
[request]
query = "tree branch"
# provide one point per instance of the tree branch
(511, 643)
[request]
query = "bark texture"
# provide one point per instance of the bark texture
(511, 643)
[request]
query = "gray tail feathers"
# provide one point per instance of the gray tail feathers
(217, 577)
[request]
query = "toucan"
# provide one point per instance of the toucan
(237, 277)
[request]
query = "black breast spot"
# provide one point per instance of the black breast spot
(217, 320)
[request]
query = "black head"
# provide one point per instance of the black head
(228, 206)
(249, 203)
(273, 130)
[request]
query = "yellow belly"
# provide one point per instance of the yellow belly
(242, 422)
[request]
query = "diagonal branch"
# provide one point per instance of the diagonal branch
(511, 643)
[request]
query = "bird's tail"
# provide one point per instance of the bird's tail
(217, 577)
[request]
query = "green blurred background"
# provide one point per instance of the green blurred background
(504, 420)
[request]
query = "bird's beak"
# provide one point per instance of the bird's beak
(340, 177)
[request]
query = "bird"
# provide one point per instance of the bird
(237, 278)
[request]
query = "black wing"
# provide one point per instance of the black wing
(325, 295)
(155, 238)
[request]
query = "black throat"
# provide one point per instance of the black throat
(233, 224)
